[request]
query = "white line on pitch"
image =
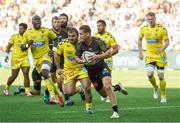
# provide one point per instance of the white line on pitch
(122, 109)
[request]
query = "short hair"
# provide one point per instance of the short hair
(151, 14)
(24, 25)
(55, 18)
(85, 28)
(72, 29)
(64, 14)
(102, 21)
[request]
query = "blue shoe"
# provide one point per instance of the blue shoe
(89, 111)
(19, 90)
(46, 99)
(69, 102)
(82, 94)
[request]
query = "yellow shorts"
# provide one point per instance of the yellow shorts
(38, 62)
(19, 63)
(74, 74)
(160, 59)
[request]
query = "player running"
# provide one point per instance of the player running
(38, 39)
(19, 60)
(156, 42)
(72, 71)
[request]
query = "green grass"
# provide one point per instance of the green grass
(138, 106)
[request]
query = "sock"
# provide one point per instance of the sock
(57, 91)
(88, 106)
(50, 86)
(7, 87)
(46, 92)
(78, 89)
(27, 90)
(66, 97)
(163, 88)
(115, 108)
(153, 82)
(116, 87)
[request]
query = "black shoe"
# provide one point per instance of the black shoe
(19, 90)
(69, 102)
(82, 93)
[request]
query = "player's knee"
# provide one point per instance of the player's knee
(45, 73)
(107, 88)
(161, 77)
(150, 74)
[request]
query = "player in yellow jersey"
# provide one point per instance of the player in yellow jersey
(19, 60)
(112, 43)
(72, 71)
(38, 39)
(156, 42)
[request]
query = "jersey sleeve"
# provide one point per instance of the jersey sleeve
(60, 48)
(102, 44)
(112, 40)
(52, 35)
(78, 49)
(25, 38)
(141, 33)
(12, 39)
(164, 34)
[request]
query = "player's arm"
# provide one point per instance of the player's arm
(114, 46)
(8, 47)
(140, 55)
(26, 43)
(78, 54)
(165, 41)
(26, 46)
(57, 54)
(106, 51)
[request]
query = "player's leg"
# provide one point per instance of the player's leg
(150, 73)
(13, 76)
(110, 93)
(25, 71)
(67, 99)
(88, 95)
(36, 77)
(52, 88)
(160, 71)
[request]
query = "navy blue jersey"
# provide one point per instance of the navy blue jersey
(98, 46)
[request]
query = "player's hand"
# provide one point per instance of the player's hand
(94, 57)
(6, 59)
(159, 50)
(51, 53)
(141, 56)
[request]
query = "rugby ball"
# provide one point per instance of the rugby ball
(85, 57)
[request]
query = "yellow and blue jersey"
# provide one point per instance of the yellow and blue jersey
(16, 41)
(41, 39)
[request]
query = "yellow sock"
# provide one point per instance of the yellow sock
(7, 87)
(27, 90)
(153, 82)
(88, 106)
(78, 89)
(57, 91)
(50, 86)
(163, 88)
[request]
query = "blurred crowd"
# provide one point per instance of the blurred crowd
(123, 17)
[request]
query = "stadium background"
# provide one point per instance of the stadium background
(123, 17)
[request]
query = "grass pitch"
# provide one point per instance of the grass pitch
(138, 106)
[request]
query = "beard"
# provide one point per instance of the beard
(64, 25)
